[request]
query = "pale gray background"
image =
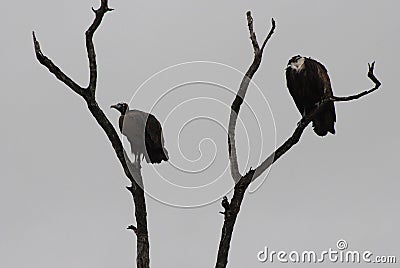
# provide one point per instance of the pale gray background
(62, 196)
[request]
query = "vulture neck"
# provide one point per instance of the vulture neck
(124, 111)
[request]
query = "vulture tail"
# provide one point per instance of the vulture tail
(158, 155)
(324, 121)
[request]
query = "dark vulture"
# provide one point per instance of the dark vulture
(308, 83)
(143, 132)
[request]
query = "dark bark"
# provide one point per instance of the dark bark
(132, 170)
(232, 208)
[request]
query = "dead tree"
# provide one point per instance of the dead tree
(132, 170)
(232, 207)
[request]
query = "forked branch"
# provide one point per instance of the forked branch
(242, 93)
(132, 171)
(232, 207)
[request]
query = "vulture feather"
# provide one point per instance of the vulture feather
(144, 133)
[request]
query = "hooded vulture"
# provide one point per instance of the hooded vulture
(143, 132)
(308, 83)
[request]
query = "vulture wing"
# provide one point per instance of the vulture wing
(324, 121)
(155, 140)
(154, 136)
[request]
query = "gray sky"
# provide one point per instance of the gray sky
(62, 196)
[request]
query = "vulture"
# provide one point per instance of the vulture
(308, 83)
(144, 133)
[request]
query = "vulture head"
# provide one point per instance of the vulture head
(122, 107)
(296, 63)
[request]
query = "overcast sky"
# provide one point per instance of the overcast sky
(63, 201)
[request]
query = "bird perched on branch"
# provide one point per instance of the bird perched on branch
(144, 133)
(308, 83)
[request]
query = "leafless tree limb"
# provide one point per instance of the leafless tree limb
(357, 96)
(232, 208)
(242, 93)
(54, 69)
(132, 170)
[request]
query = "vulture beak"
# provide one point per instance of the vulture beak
(113, 106)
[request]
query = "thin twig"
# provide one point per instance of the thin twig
(269, 35)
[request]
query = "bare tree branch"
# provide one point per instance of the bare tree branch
(269, 35)
(132, 170)
(232, 208)
(242, 93)
(357, 96)
(89, 43)
(54, 69)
